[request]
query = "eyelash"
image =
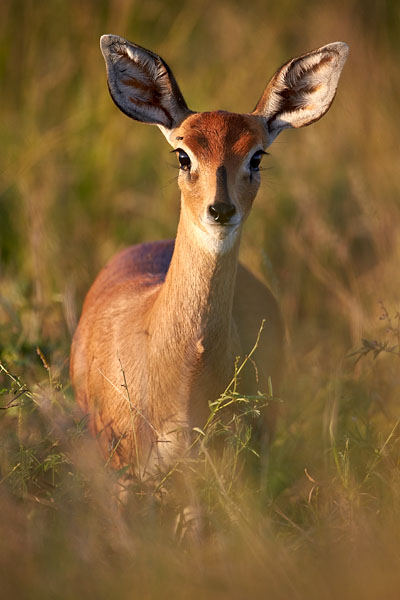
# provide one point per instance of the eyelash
(257, 156)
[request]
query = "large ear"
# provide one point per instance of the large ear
(303, 89)
(142, 85)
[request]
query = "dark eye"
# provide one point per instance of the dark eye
(184, 160)
(255, 160)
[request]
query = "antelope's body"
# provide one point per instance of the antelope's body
(163, 323)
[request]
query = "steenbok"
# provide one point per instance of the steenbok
(164, 321)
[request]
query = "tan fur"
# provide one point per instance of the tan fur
(163, 323)
(176, 328)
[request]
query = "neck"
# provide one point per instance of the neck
(192, 315)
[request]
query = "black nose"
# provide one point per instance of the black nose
(221, 212)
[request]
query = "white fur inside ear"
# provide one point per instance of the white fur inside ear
(303, 89)
(141, 83)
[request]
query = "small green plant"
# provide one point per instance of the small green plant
(213, 463)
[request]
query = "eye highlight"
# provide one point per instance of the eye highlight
(256, 160)
(184, 160)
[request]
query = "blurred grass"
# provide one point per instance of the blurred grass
(78, 181)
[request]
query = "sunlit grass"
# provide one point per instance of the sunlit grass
(322, 512)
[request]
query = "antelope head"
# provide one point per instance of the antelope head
(220, 152)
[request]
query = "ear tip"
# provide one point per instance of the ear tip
(108, 39)
(340, 48)
(343, 47)
(105, 43)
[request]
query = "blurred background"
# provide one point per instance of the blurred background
(79, 181)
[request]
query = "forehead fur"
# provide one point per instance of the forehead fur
(213, 134)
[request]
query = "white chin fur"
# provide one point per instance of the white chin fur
(216, 240)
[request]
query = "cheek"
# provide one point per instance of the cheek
(195, 187)
(192, 197)
(248, 193)
(188, 181)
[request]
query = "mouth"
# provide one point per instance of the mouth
(222, 229)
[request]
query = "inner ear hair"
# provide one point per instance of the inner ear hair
(142, 84)
(303, 89)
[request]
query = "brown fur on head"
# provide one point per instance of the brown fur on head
(220, 146)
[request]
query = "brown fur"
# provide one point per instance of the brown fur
(163, 323)
(171, 319)
(220, 135)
